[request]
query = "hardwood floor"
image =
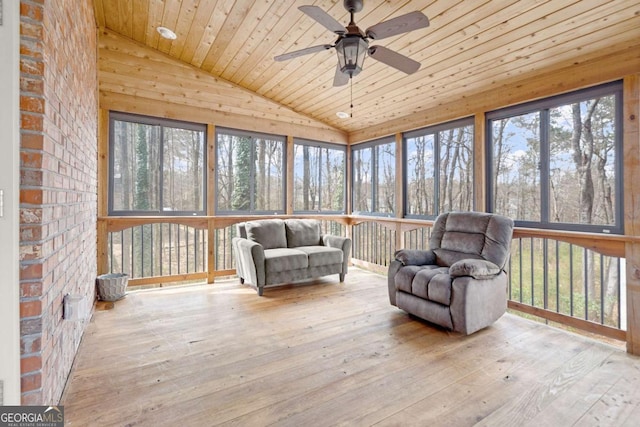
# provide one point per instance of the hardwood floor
(334, 354)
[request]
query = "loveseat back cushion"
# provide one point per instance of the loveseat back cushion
(269, 233)
(302, 232)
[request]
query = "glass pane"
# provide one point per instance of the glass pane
(516, 175)
(183, 176)
(332, 180)
(386, 178)
(234, 173)
(136, 166)
(306, 187)
(582, 162)
(420, 172)
(362, 181)
(456, 169)
(269, 175)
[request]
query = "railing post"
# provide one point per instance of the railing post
(211, 253)
(102, 246)
(631, 156)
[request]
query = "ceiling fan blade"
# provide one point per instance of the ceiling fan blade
(323, 18)
(401, 24)
(340, 78)
(305, 51)
(394, 59)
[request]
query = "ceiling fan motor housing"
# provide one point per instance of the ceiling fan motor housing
(353, 6)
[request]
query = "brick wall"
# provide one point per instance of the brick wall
(58, 189)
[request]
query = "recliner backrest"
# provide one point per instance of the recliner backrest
(477, 235)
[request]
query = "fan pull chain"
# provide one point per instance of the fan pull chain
(351, 106)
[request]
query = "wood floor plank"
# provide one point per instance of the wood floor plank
(324, 353)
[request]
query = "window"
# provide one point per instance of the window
(439, 169)
(556, 163)
(374, 177)
(156, 166)
(319, 177)
(250, 172)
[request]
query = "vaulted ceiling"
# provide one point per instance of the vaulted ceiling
(470, 47)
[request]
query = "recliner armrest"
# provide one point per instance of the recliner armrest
(476, 268)
(415, 257)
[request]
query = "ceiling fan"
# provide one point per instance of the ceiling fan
(352, 44)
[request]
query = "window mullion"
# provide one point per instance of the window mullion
(319, 188)
(161, 171)
(252, 175)
(374, 179)
(544, 165)
(436, 173)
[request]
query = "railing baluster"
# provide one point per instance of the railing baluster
(571, 276)
(585, 275)
(520, 272)
(557, 276)
(179, 243)
(602, 289)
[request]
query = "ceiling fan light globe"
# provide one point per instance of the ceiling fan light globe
(351, 53)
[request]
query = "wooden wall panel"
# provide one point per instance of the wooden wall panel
(137, 79)
(609, 67)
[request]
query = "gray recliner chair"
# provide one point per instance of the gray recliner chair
(460, 283)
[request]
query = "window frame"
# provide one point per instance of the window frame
(374, 175)
(253, 136)
(321, 145)
(543, 106)
(162, 123)
(434, 130)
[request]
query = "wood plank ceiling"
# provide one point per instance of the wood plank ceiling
(470, 47)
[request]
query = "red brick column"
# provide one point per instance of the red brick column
(58, 188)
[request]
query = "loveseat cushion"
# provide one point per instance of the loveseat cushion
(284, 259)
(270, 233)
(302, 232)
(322, 255)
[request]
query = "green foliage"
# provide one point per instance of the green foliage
(571, 281)
(241, 199)
(141, 199)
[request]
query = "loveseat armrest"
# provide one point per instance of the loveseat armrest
(415, 257)
(476, 268)
(250, 261)
(342, 243)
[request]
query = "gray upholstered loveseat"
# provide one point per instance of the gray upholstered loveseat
(460, 283)
(275, 251)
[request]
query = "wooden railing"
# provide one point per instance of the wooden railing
(575, 279)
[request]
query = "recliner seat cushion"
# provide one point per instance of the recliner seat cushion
(284, 259)
(322, 255)
(425, 281)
